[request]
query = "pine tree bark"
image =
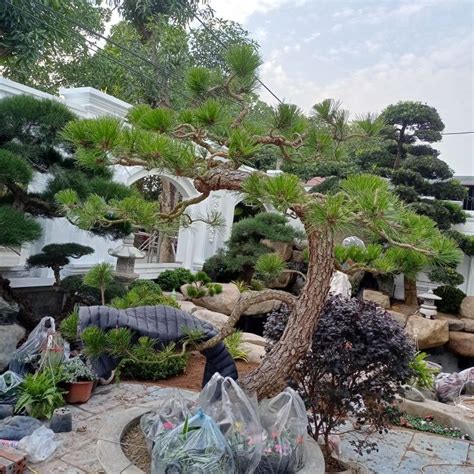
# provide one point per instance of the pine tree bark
(280, 363)
(411, 298)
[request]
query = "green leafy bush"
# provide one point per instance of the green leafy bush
(68, 327)
(39, 395)
(452, 299)
(201, 285)
(140, 360)
(447, 275)
(171, 280)
(424, 375)
(143, 293)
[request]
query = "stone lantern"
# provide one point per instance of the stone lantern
(126, 255)
(428, 307)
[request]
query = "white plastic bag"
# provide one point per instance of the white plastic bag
(9, 382)
(31, 349)
(39, 446)
(236, 415)
(285, 420)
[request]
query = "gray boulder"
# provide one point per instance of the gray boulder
(10, 336)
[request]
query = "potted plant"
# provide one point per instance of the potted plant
(79, 379)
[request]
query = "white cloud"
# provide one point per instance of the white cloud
(241, 10)
(312, 37)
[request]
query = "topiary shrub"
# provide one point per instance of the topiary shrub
(452, 299)
(359, 359)
(171, 280)
(143, 293)
(201, 285)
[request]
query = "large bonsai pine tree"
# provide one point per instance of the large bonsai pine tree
(209, 142)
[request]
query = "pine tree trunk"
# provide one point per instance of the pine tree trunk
(279, 364)
(411, 298)
(57, 276)
(102, 295)
(166, 205)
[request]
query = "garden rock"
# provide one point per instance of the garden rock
(340, 285)
(255, 353)
(412, 393)
(188, 306)
(454, 323)
(298, 256)
(468, 324)
(176, 295)
(377, 298)
(282, 281)
(17, 427)
(400, 318)
(223, 302)
(467, 307)
(218, 320)
(284, 249)
(428, 332)
(8, 312)
(461, 343)
(10, 336)
(253, 339)
(262, 308)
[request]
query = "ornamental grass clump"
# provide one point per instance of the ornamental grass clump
(359, 360)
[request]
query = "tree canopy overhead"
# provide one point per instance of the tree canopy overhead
(210, 140)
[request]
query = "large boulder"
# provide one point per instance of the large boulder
(467, 307)
(377, 298)
(454, 323)
(223, 302)
(8, 312)
(428, 332)
(340, 285)
(188, 306)
(468, 324)
(255, 353)
(218, 320)
(10, 336)
(262, 308)
(400, 318)
(253, 339)
(461, 343)
(284, 249)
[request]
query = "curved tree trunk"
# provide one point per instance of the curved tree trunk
(167, 202)
(411, 298)
(279, 364)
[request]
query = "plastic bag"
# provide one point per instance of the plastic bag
(449, 386)
(172, 411)
(468, 377)
(9, 383)
(236, 415)
(195, 447)
(285, 421)
(31, 349)
(40, 445)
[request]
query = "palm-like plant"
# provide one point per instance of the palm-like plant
(99, 276)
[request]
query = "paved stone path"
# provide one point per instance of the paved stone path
(400, 451)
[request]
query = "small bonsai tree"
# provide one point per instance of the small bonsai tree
(171, 280)
(99, 276)
(359, 360)
(201, 286)
(143, 293)
(57, 256)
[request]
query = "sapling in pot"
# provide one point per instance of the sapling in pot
(79, 380)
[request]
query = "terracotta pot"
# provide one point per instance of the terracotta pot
(79, 392)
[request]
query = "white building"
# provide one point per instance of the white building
(194, 244)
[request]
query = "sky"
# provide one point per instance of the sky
(369, 54)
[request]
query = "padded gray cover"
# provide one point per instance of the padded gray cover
(163, 323)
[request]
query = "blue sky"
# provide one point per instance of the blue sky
(369, 54)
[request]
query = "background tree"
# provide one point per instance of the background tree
(99, 276)
(209, 142)
(57, 256)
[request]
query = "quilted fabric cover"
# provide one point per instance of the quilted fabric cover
(163, 323)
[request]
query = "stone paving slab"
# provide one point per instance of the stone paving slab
(401, 451)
